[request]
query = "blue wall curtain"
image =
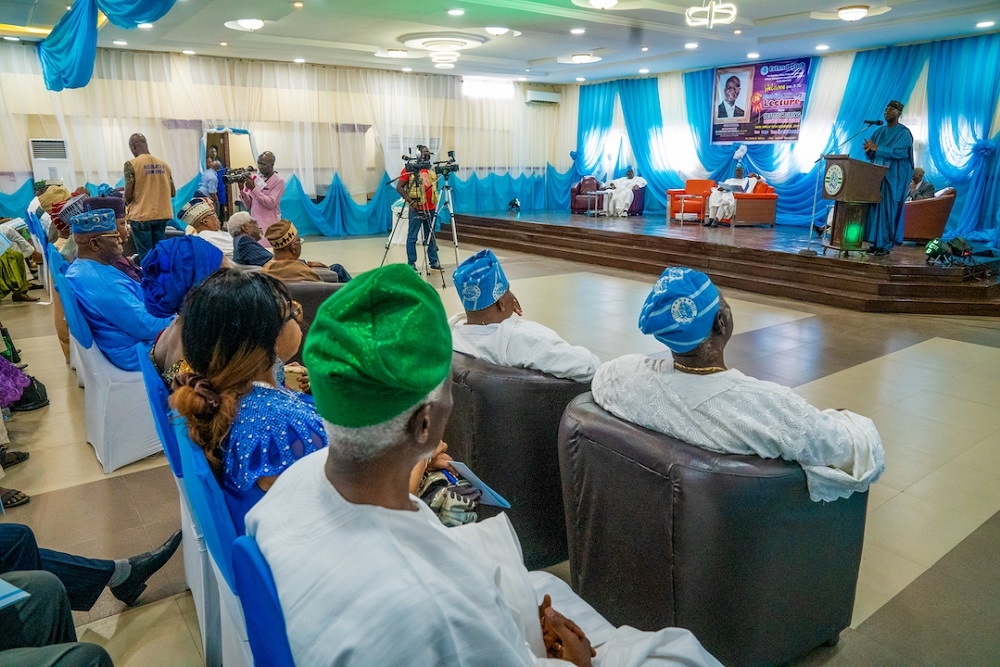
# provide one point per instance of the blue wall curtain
(15, 204)
(644, 122)
(597, 110)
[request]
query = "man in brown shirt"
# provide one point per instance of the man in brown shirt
(149, 188)
(287, 265)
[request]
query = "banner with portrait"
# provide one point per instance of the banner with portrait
(763, 102)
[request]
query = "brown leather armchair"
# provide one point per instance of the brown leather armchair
(504, 425)
(311, 295)
(662, 533)
(925, 219)
(579, 202)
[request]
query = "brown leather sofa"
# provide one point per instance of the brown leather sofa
(504, 425)
(579, 202)
(759, 207)
(311, 295)
(925, 219)
(662, 533)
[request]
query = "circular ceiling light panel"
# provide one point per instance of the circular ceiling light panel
(143, 26)
(120, 42)
(456, 12)
(753, 55)
(436, 58)
(580, 79)
(188, 52)
(578, 59)
(602, 4)
(245, 25)
(644, 71)
(445, 41)
(577, 31)
(496, 31)
(299, 60)
(853, 13)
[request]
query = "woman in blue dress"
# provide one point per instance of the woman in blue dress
(236, 324)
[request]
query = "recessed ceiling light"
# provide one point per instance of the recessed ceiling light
(445, 66)
(299, 60)
(407, 69)
(120, 42)
(527, 69)
(581, 58)
(753, 55)
(578, 31)
(223, 43)
(522, 78)
(496, 31)
(691, 45)
(456, 12)
(737, 32)
(644, 71)
(580, 78)
(822, 47)
(985, 24)
(298, 5)
(395, 53)
(145, 26)
(603, 4)
(188, 52)
(853, 13)
(69, 7)
(12, 39)
(644, 49)
(250, 24)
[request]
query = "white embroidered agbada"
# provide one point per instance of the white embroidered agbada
(365, 585)
(722, 203)
(731, 413)
(521, 343)
(618, 199)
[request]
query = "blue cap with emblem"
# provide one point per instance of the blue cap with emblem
(680, 310)
(94, 222)
(480, 281)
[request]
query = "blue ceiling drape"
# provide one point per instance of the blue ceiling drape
(67, 54)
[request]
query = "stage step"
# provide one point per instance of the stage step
(863, 286)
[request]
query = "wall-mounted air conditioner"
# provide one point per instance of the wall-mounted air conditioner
(50, 162)
(541, 97)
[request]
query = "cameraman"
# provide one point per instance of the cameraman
(419, 191)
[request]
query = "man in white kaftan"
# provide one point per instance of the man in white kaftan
(365, 572)
(695, 398)
(489, 331)
(722, 203)
(621, 193)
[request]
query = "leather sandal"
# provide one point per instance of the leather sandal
(9, 459)
(12, 498)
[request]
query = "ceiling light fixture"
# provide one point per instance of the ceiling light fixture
(822, 47)
(250, 24)
(522, 78)
(407, 69)
(691, 45)
(120, 42)
(442, 41)
(188, 52)
(985, 24)
(753, 55)
(395, 53)
(853, 12)
(445, 66)
(603, 4)
(299, 60)
(710, 14)
(444, 59)
(496, 31)
(644, 49)
(737, 32)
(456, 12)
(223, 43)
(298, 5)
(145, 26)
(580, 79)
(644, 71)
(12, 39)
(581, 58)
(577, 31)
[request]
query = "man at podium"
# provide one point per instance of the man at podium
(890, 146)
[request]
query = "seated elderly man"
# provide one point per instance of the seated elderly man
(487, 329)
(117, 204)
(110, 300)
(722, 203)
(919, 188)
(246, 234)
(288, 265)
(621, 193)
(695, 398)
(200, 217)
(365, 572)
(14, 276)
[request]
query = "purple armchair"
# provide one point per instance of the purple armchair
(579, 202)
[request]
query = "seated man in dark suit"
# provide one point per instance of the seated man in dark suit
(919, 188)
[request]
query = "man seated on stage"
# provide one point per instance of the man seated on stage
(199, 214)
(695, 398)
(919, 188)
(111, 301)
(366, 574)
(722, 203)
(621, 193)
(287, 265)
(487, 329)
(246, 234)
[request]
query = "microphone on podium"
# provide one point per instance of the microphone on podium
(873, 122)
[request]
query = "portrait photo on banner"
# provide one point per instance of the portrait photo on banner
(732, 85)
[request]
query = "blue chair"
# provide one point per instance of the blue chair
(158, 397)
(261, 607)
(35, 227)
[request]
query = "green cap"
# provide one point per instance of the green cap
(377, 347)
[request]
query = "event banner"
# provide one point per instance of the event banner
(763, 102)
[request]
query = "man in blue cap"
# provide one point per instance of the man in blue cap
(110, 300)
(487, 329)
(695, 398)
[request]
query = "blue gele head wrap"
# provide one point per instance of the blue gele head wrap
(172, 268)
(480, 281)
(93, 222)
(681, 309)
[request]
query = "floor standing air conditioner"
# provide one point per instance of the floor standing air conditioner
(50, 162)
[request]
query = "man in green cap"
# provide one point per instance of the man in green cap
(365, 572)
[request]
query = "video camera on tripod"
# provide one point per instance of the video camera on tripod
(414, 165)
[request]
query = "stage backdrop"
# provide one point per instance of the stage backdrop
(762, 102)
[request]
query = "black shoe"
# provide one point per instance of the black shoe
(35, 286)
(437, 267)
(715, 223)
(143, 567)
(707, 223)
(881, 252)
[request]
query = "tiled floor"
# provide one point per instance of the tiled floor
(932, 384)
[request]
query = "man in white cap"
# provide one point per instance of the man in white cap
(695, 398)
(200, 217)
(487, 329)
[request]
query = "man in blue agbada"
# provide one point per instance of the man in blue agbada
(890, 146)
(111, 302)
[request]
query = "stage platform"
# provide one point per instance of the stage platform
(756, 259)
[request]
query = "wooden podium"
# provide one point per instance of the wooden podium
(854, 185)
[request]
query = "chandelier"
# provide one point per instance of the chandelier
(710, 14)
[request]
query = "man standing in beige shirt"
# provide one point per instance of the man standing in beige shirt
(149, 188)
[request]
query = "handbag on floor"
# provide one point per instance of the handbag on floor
(10, 353)
(34, 397)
